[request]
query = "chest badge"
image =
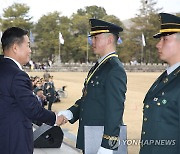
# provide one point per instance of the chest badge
(164, 101)
(155, 99)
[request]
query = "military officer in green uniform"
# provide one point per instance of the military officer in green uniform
(161, 119)
(102, 102)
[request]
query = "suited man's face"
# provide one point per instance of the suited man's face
(168, 49)
(23, 51)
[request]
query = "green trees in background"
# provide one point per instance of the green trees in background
(75, 31)
(146, 23)
(46, 32)
(16, 15)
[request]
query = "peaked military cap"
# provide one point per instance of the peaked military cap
(100, 26)
(170, 24)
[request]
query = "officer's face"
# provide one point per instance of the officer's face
(168, 49)
(99, 43)
(23, 51)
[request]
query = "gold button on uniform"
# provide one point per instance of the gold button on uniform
(165, 80)
(158, 104)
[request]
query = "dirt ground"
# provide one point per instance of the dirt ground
(138, 84)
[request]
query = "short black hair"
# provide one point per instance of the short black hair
(12, 35)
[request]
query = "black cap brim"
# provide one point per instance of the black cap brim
(158, 35)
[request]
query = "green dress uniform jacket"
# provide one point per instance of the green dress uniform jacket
(161, 119)
(103, 102)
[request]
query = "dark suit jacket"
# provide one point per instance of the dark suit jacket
(104, 103)
(161, 120)
(18, 107)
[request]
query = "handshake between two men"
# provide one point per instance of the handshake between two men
(63, 117)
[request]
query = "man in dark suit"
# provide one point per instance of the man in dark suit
(102, 103)
(18, 105)
(161, 119)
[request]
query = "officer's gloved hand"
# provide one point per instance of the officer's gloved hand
(67, 113)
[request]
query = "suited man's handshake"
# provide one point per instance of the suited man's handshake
(60, 120)
(63, 116)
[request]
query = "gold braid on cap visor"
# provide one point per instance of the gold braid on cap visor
(169, 30)
(99, 31)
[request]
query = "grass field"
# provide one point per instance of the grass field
(138, 85)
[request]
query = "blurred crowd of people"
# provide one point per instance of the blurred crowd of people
(44, 89)
(38, 65)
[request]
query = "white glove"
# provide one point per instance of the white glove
(67, 113)
(104, 151)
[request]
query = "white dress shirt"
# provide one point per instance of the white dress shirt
(172, 68)
(17, 63)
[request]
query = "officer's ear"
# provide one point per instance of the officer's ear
(110, 38)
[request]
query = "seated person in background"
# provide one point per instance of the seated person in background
(38, 85)
(41, 98)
